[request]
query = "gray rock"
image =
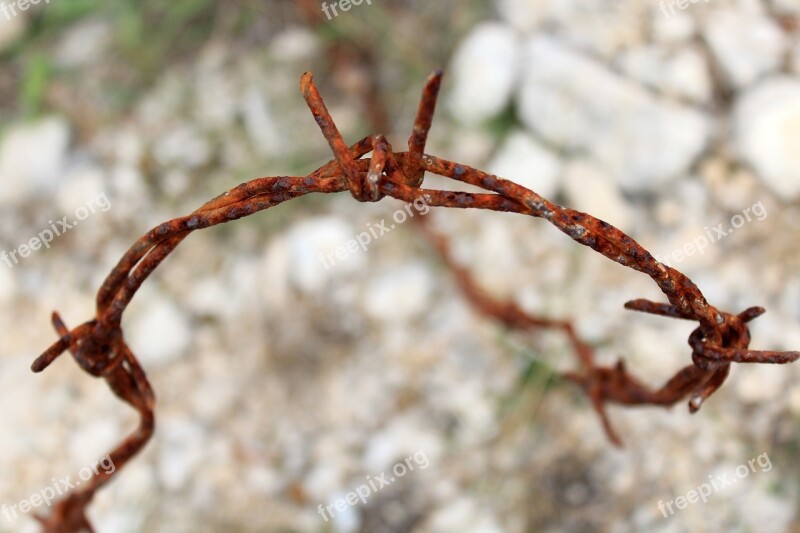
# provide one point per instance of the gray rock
(484, 69)
(524, 15)
(525, 161)
(681, 74)
(675, 28)
(399, 293)
(311, 253)
(590, 190)
(159, 332)
(32, 158)
(767, 133)
(577, 103)
(747, 45)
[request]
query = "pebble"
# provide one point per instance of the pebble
(760, 383)
(678, 74)
(159, 332)
(260, 122)
(82, 187)
(747, 45)
(463, 514)
(788, 7)
(92, 443)
(32, 159)
(524, 15)
(294, 44)
(398, 293)
(523, 160)
(601, 28)
(767, 133)
(765, 505)
(312, 259)
(590, 190)
(642, 141)
(676, 28)
(489, 54)
(182, 450)
(182, 146)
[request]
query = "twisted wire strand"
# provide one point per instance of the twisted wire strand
(98, 345)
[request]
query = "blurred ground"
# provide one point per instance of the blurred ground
(282, 384)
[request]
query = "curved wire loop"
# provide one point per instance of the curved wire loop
(98, 346)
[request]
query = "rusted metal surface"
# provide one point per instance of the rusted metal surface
(99, 348)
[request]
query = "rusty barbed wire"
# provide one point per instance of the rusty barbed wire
(99, 348)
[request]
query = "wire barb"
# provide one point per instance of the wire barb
(98, 345)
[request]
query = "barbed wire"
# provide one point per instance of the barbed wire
(99, 348)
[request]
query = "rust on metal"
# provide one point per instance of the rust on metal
(99, 348)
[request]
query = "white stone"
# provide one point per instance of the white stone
(686, 74)
(767, 130)
(259, 120)
(312, 261)
(760, 383)
(590, 190)
(263, 480)
(182, 451)
(217, 99)
(398, 293)
(325, 479)
(674, 28)
(404, 438)
(683, 73)
(483, 73)
(575, 102)
(523, 160)
(601, 27)
(182, 146)
(463, 514)
(787, 6)
(524, 15)
(644, 64)
(32, 158)
(82, 187)
(159, 332)
(765, 505)
(127, 519)
(90, 445)
(746, 44)
(206, 296)
(126, 145)
(294, 45)
(126, 181)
